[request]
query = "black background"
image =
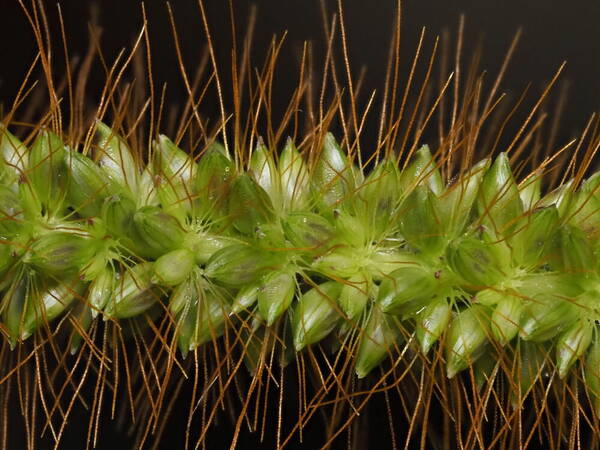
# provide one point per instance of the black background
(552, 32)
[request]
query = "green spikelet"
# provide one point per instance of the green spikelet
(325, 249)
(270, 261)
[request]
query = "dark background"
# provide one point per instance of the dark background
(552, 32)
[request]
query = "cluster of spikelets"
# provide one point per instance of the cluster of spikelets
(317, 245)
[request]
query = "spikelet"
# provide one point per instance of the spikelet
(487, 244)
(229, 257)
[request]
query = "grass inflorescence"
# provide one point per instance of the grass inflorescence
(453, 274)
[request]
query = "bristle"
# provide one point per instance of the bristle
(229, 260)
